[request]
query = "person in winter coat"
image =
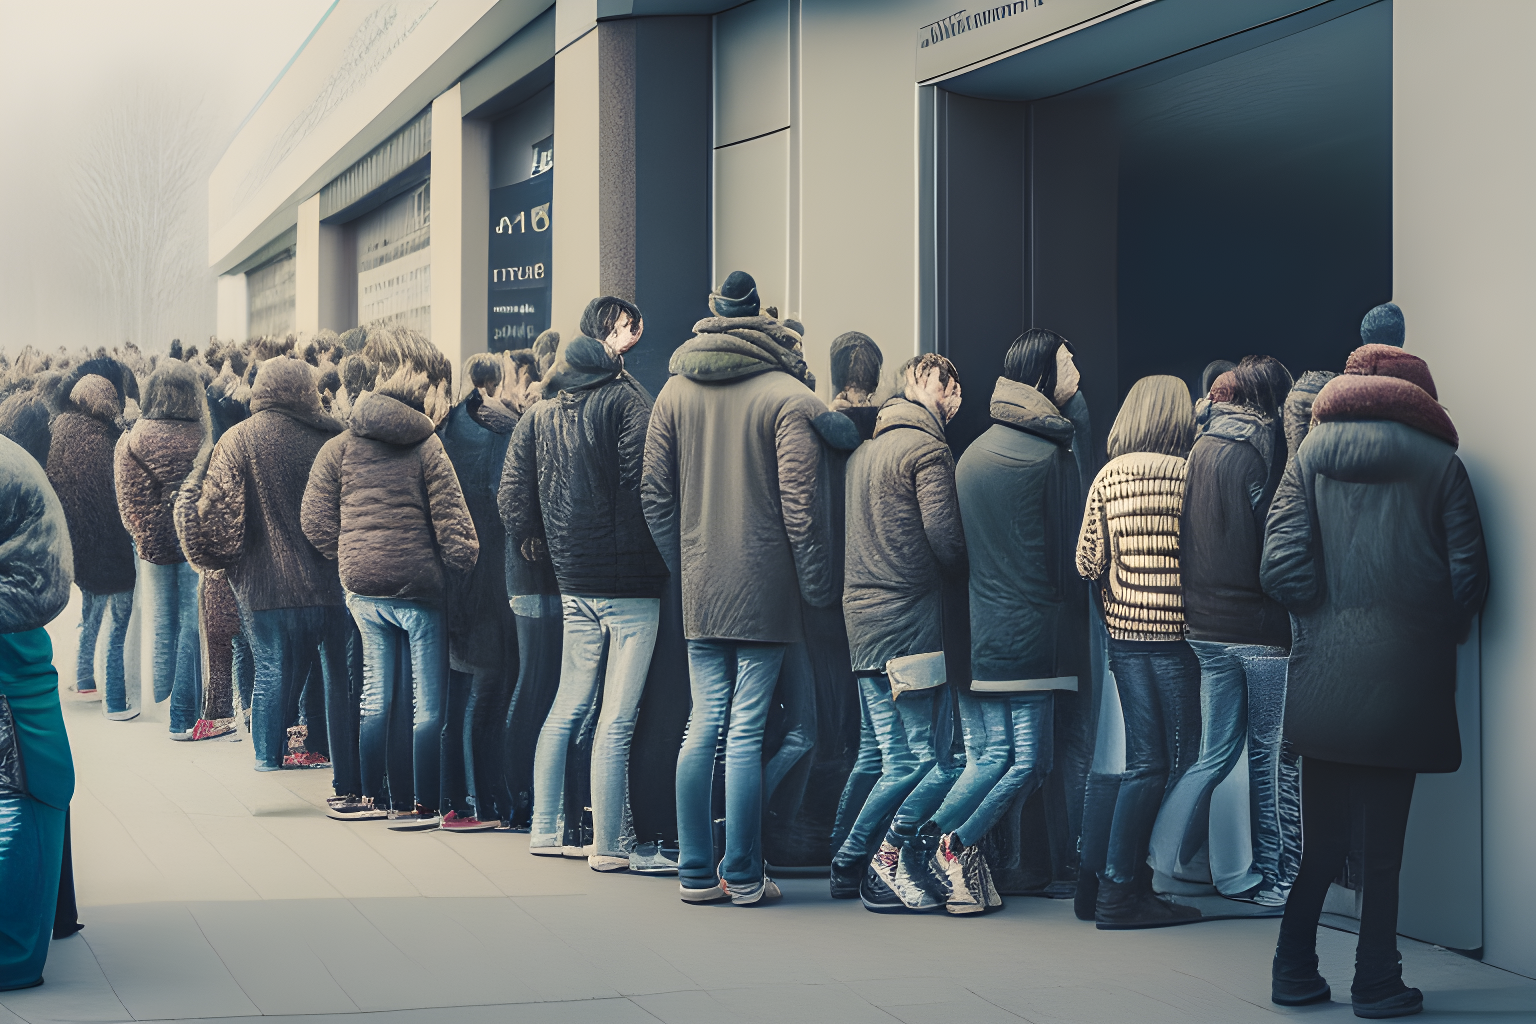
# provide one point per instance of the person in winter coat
(25, 417)
(152, 460)
(239, 511)
(856, 365)
(383, 501)
(37, 775)
(1298, 408)
(1375, 546)
(1130, 549)
(731, 484)
(482, 637)
(904, 539)
(585, 448)
(231, 670)
(1241, 637)
(1021, 497)
(81, 453)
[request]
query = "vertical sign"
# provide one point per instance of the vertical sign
(520, 262)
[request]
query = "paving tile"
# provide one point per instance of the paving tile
(74, 989)
(266, 949)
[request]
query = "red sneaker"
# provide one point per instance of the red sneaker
(454, 822)
(207, 730)
(308, 759)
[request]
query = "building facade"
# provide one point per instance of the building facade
(1164, 182)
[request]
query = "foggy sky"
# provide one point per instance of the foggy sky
(64, 68)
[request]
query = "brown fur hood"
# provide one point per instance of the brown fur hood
(1385, 383)
(728, 348)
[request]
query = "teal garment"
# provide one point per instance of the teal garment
(31, 855)
(29, 682)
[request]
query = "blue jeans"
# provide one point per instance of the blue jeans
(1008, 750)
(917, 772)
(384, 623)
(622, 630)
(1274, 776)
(283, 644)
(177, 653)
(797, 695)
(1159, 686)
(732, 685)
(31, 855)
(93, 608)
(861, 781)
(540, 635)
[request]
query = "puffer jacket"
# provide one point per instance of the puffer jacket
(1129, 545)
(475, 439)
(1298, 408)
(904, 537)
(1021, 497)
(1375, 546)
(80, 460)
(152, 461)
(732, 460)
(240, 510)
(384, 502)
(36, 560)
(1226, 501)
(576, 461)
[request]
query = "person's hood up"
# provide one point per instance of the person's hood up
(1388, 361)
(1372, 389)
(903, 413)
(174, 392)
(95, 396)
(1021, 406)
(286, 386)
(729, 348)
(381, 418)
(585, 363)
(1232, 422)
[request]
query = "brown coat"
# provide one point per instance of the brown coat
(80, 469)
(384, 501)
(152, 460)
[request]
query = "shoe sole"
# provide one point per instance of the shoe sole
(415, 826)
(545, 851)
(1375, 1012)
(1321, 996)
(652, 871)
(471, 828)
(366, 816)
(114, 717)
(713, 894)
(964, 908)
(1106, 927)
(895, 908)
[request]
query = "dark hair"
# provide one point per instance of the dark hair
(856, 360)
(482, 370)
(357, 374)
(1031, 359)
(173, 392)
(924, 364)
(602, 316)
(1261, 383)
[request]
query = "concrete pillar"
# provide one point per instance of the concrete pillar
(325, 272)
(461, 184)
(574, 217)
(1463, 213)
(306, 268)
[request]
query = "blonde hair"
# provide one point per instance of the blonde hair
(1157, 416)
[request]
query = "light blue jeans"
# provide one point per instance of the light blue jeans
(917, 773)
(94, 608)
(1182, 830)
(1008, 750)
(622, 630)
(732, 684)
(861, 781)
(177, 651)
(385, 625)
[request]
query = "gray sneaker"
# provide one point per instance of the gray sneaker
(653, 859)
(890, 867)
(949, 858)
(767, 889)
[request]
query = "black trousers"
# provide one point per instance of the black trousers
(1332, 796)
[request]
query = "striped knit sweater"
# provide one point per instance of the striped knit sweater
(1130, 545)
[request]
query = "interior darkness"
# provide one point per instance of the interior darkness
(1173, 215)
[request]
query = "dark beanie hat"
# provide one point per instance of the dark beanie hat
(737, 297)
(1383, 326)
(1387, 361)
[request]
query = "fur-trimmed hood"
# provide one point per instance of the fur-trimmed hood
(729, 348)
(387, 419)
(286, 386)
(1025, 408)
(1352, 397)
(36, 560)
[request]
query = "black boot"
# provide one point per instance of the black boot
(1378, 991)
(846, 879)
(1297, 982)
(1093, 847)
(1122, 906)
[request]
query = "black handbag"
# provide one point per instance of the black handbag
(13, 775)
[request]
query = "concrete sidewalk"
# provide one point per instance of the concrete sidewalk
(209, 890)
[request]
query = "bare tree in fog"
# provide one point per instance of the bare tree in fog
(141, 198)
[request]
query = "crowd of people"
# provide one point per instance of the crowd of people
(455, 605)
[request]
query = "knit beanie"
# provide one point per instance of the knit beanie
(1383, 326)
(737, 297)
(1387, 361)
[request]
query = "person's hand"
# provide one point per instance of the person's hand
(533, 549)
(941, 399)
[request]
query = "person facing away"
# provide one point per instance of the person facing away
(1375, 547)
(37, 776)
(1241, 637)
(81, 455)
(731, 484)
(1021, 496)
(856, 365)
(152, 460)
(239, 511)
(482, 639)
(904, 539)
(579, 456)
(1129, 548)
(384, 502)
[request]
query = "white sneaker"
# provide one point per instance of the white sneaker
(122, 716)
(709, 895)
(597, 863)
(545, 846)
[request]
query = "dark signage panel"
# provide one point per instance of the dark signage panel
(520, 262)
